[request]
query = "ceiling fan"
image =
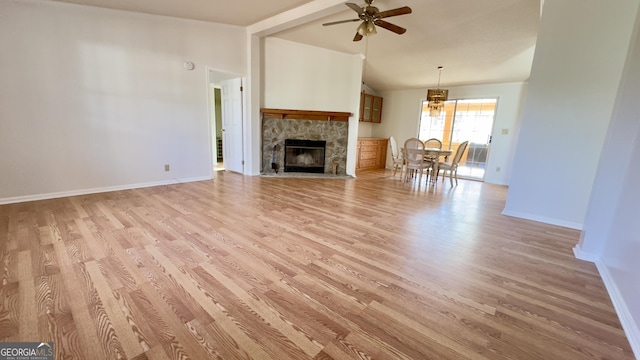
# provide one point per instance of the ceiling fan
(370, 17)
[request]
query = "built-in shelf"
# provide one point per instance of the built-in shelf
(305, 114)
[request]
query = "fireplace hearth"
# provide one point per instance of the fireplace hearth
(304, 155)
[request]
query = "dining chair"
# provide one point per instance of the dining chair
(452, 167)
(413, 158)
(396, 155)
(433, 143)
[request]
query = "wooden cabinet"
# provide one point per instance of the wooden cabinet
(370, 108)
(372, 153)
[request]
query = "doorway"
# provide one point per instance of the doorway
(463, 120)
(216, 126)
(226, 117)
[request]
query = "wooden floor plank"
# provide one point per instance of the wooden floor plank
(109, 299)
(299, 268)
(86, 327)
(9, 311)
(28, 301)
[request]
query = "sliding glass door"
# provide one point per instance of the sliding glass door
(463, 120)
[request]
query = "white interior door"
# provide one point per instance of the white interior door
(231, 98)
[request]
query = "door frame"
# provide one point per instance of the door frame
(214, 77)
(490, 135)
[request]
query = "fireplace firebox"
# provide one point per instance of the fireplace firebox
(304, 155)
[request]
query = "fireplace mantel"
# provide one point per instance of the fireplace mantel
(305, 115)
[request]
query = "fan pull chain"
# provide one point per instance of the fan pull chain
(366, 58)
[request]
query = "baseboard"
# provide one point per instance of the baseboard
(542, 219)
(626, 319)
(55, 195)
(583, 255)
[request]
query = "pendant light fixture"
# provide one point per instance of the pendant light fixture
(436, 97)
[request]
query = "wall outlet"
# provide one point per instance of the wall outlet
(167, 167)
(505, 131)
(498, 169)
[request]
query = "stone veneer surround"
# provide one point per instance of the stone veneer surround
(276, 129)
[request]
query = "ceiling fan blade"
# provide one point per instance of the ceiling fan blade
(355, 7)
(394, 12)
(391, 27)
(339, 22)
(358, 37)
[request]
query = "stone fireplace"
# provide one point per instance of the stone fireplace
(314, 127)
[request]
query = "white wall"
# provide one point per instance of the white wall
(94, 99)
(365, 129)
(580, 53)
(303, 77)
(401, 119)
(611, 234)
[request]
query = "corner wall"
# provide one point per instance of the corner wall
(611, 235)
(94, 99)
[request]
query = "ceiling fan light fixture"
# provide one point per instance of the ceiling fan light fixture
(436, 97)
(367, 28)
(362, 29)
(371, 28)
(370, 17)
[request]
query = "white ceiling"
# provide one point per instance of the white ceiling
(486, 41)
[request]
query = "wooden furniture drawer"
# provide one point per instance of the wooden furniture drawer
(366, 155)
(372, 153)
(367, 163)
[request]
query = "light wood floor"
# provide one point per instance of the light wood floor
(272, 268)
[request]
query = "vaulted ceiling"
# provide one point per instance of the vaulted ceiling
(488, 41)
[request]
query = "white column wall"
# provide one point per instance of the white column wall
(611, 235)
